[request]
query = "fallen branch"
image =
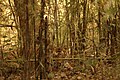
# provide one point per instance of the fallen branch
(6, 25)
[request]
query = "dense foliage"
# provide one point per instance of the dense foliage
(59, 39)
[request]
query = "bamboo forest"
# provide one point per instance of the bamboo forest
(59, 39)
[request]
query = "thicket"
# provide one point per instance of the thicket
(59, 39)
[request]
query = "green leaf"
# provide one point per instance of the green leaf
(51, 75)
(5, 54)
(10, 48)
(91, 62)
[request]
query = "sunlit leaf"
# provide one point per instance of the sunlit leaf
(7, 40)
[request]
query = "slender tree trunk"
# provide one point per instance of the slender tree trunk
(41, 56)
(56, 22)
(27, 43)
(67, 23)
(118, 26)
(46, 45)
(72, 27)
(113, 37)
(79, 28)
(99, 25)
(34, 38)
(107, 38)
(21, 8)
(84, 24)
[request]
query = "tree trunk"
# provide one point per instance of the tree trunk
(42, 46)
(99, 25)
(56, 22)
(84, 25)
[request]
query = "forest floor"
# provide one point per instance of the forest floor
(65, 68)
